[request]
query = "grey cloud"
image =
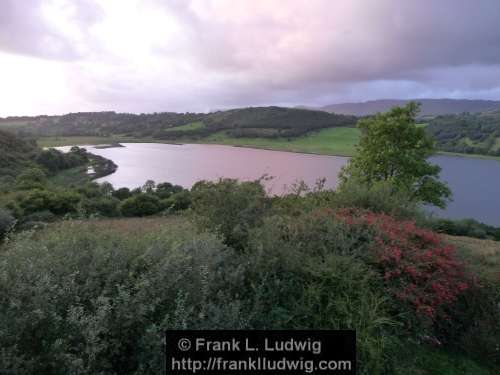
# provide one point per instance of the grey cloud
(24, 30)
(233, 53)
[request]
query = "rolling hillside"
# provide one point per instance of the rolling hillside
(266, 122)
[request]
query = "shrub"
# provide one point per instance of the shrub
(420, 271)
(35, 200)
(63, 202)
(140, 205)
(178, 201)
(31, 178)
(81, 300)
(229, 208)
(301, 284)
(104, 206)
(59, 203)
(7, 221)
(379, 197)
(122, 193)
(165, 189)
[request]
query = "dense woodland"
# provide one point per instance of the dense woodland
(477, 133)
(258, 121)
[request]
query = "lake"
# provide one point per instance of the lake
(475, 182)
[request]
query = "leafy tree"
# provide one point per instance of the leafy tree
(149, 186)
(122, 193)
(178, 201)
(393, 149)
(166, 189)
(141, 205)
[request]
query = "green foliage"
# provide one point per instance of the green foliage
(381, 196)
(309, 277)
(178, 201)
(31, 178)
(476, 133)
(101, 206)
(122, 193)
(393, 149)
(166, 189)
(140, 205)
(7, 222)
(229, 208)
(54, 160)
(86, 301)
(466, 227)
(259, 121)
(15, 154)
(59, 203)
(95, 296)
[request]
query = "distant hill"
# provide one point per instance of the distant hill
(254, 121)
(430, 107)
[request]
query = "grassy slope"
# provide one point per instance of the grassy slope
(482, 255)
(332, 141)
(191, 126)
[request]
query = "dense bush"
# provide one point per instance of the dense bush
(102, 206)
(122, 193)
(420, 271)
(177, 201)
(308, 276)
(79, 301)
(166, 190)
(7, 221)
(31, 178)
(57, 202)
(54, 160)
(380, 197)
(229, 207)
(140, 205)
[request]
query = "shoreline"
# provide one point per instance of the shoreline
(344, 155)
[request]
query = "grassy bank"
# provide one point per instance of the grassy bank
(339, 141)
(333, 141)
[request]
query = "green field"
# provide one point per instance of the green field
(191, 126)
(339, 141)
(333, 141)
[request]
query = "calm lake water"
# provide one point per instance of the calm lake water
(475, 182)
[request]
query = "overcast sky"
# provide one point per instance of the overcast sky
(59, 56)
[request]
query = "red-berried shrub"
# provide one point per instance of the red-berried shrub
(419, 270)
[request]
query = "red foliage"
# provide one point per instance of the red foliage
(419, 270)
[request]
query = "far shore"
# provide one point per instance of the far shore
(108, 142)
